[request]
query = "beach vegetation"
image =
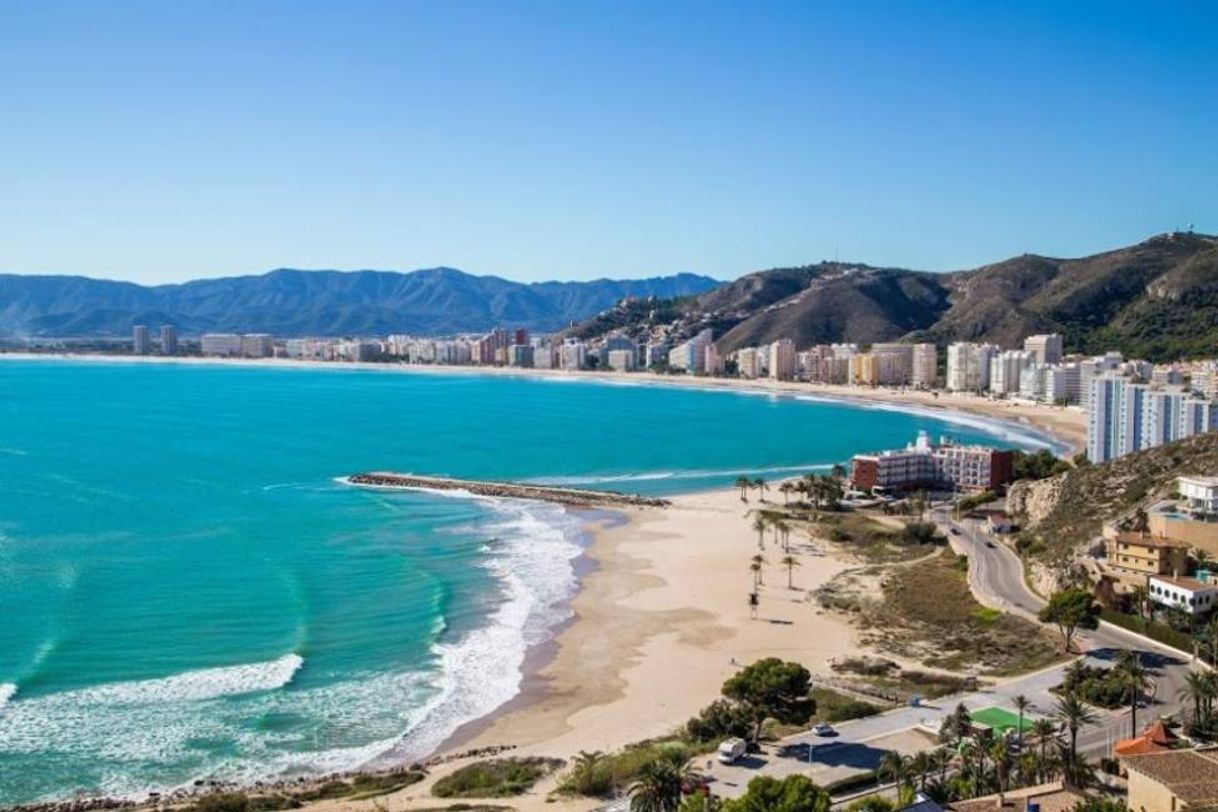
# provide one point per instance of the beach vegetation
(773, 689)
(832, 706)
(222, 802)
(795, 793)
(660, 783)
(1071, 609)
(721, 719)
(600, 775)
(495, 778)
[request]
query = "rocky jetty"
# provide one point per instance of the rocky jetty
(573, 497)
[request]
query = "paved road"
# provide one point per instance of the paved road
(996, 579)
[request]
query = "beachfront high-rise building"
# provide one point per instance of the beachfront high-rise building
(750, 362)
(1046, 348)
(573, 355)
(714, 361)
(925, 366)
(141, 343)
(169, 340)
(1125, 417)
(691, 355)
(257, 345)
(1005, 369)
(223, 345)
(655, 354)
(781, 362)
(968, 366)
(925, 465)
(622, 360)
(521, 355)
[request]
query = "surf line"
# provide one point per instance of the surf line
(575, 497)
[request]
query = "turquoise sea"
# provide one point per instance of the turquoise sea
(187, 590)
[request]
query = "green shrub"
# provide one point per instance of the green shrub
(223, 802)
(497, 778)
(721, 719)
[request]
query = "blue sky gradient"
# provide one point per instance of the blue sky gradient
(161, 141)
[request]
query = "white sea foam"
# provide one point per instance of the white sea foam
(693, 473)
(7, 691)
(532, 557)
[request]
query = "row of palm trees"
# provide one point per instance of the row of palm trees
(971, 764)
(820, 490)
(1200, 690)
(757, 567)
(779, 526)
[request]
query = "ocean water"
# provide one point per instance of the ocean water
(187, 590)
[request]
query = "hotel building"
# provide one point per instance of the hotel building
(782, 359)
(925, 366)
(223, 345)
(169, 340)
(141, 342)
(923, 465)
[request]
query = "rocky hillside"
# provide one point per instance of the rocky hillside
(1064, 512)
(1157, 299)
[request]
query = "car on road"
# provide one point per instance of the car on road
(955, 531)
(731, 750)
(824, 729)
(990, 544)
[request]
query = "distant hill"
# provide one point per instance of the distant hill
(1157, 299)
(322, 303)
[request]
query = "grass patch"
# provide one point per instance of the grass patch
(877, 542)
(496, 778)
(928, 613)
(834, 707)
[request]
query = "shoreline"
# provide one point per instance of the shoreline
(603, 678)
(1062, 430)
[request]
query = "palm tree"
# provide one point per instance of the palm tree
(1045, 731)
(790, 562)
(760, 561)
(783, 529)
(1021, 703)
(785, 489)
(1000, 754)
(1135, 678)
(839, 471)
(1211, 637)
(762, 487)
(1199, 689)
(921, 765)
(584, 768)
(755, 568)
(810, 487)
(1074, 713)
(759, 525)
(895, 766)
(744, 483)
(657, 787)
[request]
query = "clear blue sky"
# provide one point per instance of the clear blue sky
(160, 141)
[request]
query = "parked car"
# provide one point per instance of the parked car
(731, 750)
(824, 729)
(955, 531)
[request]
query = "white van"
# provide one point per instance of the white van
(731, 750)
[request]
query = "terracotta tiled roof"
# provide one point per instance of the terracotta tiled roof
(1190, 775)
(1147, 540)
(1138, 746)
(1054, 797)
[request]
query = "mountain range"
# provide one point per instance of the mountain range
(1157, 299)
(320, 303)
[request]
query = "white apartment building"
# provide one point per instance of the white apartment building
(782, 359)
(257, 345)
(1200, 494)
(1062, 384)
(714, 361)
(622, 360)
(573, 355)
(924, 364)
(968, 366)
(1124, 417)
(169, 340)
(1197, 595)
(691, 355)
(750, 363)
(141, 341)
(1005, 370)
(1047, 349)
(224, 345)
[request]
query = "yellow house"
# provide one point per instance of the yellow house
(1144, 554)
(1175, 781)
